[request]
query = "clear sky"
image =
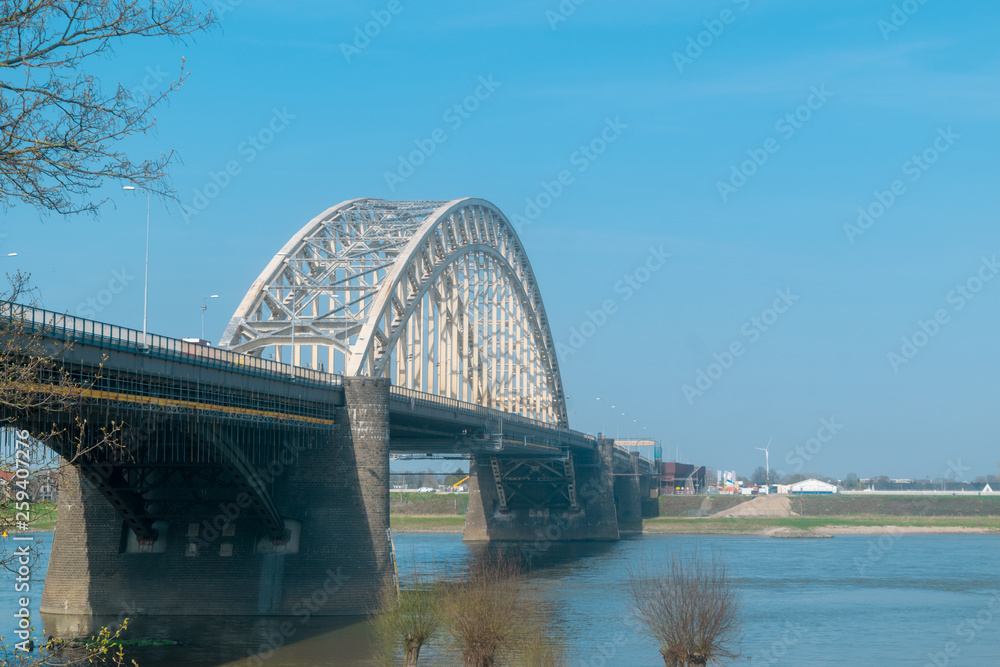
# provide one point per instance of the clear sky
(739, 137)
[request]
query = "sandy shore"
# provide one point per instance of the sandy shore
(824, 531)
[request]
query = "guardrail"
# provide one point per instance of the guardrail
(77, 329)
(419, 397)
(430, 400)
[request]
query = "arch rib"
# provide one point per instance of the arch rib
(438, 296)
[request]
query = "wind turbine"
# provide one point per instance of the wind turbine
(767, 460)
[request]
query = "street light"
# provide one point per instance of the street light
(145, 289)
(604, 419)
(204, 307)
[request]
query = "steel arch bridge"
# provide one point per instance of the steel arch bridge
(438, 296)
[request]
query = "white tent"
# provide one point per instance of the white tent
(987, 489)
(811, 486)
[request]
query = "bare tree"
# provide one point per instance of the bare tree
(59, 129)
(688, 604)
(409, 618)
(485, 609)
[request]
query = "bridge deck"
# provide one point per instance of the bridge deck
(421, 422)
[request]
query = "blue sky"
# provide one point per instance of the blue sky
(887, 95)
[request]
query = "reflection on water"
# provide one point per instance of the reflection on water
(817, 602)
(244, 640)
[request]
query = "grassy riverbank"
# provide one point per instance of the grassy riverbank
(43, 518)
(427, 524)
(843, 505)
(445, 513)
(411, 503)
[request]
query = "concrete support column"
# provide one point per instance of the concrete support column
(341, 493)
(649, 487)
(628, 498)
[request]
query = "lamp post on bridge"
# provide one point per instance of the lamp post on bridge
(145, 289)
(604, 418)
(204, 307)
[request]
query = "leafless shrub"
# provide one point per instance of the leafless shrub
(688, 604)
(485, 609)
(409, 619)
(535, 646)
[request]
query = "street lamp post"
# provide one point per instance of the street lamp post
(204, 307)
(604, 419)
(145, 289)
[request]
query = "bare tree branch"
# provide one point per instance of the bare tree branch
(58, 128)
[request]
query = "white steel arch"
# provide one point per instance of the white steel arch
(437, 296)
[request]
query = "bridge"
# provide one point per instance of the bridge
(223, 480)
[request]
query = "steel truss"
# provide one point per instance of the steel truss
(535, 483)
(437, 296)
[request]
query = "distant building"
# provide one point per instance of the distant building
(649, 449)
(808, 486)
(681, 478)
(45, 487)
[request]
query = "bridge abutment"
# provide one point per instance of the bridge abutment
(331, 489)
(492, 519)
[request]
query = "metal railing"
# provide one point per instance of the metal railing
(431, 400)
(109, 336)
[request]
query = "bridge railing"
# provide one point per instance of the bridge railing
(421, 398)
(77, 329)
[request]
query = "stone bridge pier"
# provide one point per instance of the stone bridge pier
(330, 489)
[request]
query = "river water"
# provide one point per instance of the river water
(850, 600)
